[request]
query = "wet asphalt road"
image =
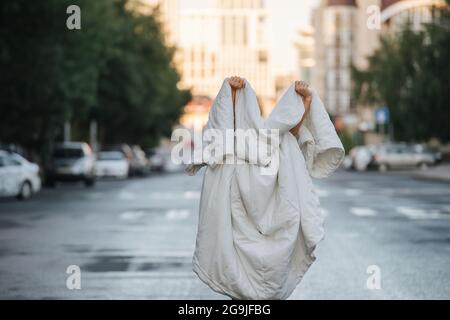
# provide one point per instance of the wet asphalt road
(134, 239)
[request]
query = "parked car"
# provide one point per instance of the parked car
(18, 176)
(398, 155)
(72, 161)
(111, 164)
(362, 157)
(155, 160)
(139, 162)
(125, 150)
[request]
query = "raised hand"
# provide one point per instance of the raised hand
(236, 83)
(302, 88)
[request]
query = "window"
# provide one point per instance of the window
(337, 21)
(234, 31)
(68, 153)
(262, 56)
(224, 31)
(244, 30)
(9, 161)
(331, 79)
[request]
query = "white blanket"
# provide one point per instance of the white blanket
(257, 232)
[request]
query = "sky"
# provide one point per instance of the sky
(285, 18)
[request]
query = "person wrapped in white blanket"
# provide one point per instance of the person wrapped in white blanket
(257, 232)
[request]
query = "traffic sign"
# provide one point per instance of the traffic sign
(382, 115)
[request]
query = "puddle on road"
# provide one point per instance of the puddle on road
(434, 240)
(77, 248)
(165, 266)
(108, 263)
(8, 224)
(127, 263)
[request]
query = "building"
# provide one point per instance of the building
(305, 45)
(343, 36)
(282, 83)
(198, 51)
(367, 30)
(395, 13)
(334, 23)
(228, 39)
(339, 44)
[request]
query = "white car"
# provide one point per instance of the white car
(18, 176)
(112, 164)
(362, 158)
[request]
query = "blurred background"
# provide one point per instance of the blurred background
(91, 94)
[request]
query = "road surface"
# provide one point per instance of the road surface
(134, 239)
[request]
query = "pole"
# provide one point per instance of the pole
(93, 136)
(67, 131)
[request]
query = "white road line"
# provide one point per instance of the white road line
(352, 192)
(131, 215)
(179, 214)
(175, 195)
(418, 213)
(191, 195)
(363, 212)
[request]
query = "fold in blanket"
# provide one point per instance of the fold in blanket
(257, 232)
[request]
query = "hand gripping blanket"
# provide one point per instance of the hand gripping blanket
(257, 232)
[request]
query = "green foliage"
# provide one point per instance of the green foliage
(116, 70)
(350, 140)
(347, 141)
(409, 73)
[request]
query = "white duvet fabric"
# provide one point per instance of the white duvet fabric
(257, 232)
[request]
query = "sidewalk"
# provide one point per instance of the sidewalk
(438, 173)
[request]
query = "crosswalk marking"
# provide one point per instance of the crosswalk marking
(131, 215)
(363, 212)
(352, 192)
(418, 213)
(179, 214)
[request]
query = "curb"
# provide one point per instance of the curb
(441, 174)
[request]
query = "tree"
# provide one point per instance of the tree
(408, 73)
(148, 101)
(116, 69)
(48, 72)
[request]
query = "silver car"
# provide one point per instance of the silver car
(402, 155)
(72, 161)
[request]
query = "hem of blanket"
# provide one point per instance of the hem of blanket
(204, 277)
(334, 167)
